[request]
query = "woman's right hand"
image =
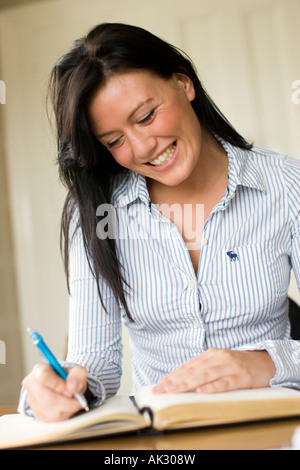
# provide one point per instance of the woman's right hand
(49, 396)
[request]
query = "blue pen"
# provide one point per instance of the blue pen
(40, 344)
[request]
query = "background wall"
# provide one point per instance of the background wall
(247, 54)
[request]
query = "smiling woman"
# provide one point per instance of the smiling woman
(80, 79)
(139, 136)
(160, 127)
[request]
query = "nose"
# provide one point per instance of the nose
(143, 145)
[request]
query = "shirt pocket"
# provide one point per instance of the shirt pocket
(247, 279)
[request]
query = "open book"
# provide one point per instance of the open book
(120, 414)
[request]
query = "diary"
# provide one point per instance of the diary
(148, 411)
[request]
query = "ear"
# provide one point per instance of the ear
(186, 84)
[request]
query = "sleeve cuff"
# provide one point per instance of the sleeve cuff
(286, 357)
(95, 386)
(23, 408)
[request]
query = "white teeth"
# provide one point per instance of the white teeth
(164, 157)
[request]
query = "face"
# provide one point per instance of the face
(148, 124)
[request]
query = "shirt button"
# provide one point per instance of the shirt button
(196, 324)
(192, 285)
(203, 241)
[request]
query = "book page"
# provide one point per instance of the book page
(186, 410)
(18, 430)
(145, 398)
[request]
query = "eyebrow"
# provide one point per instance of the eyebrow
(140, 105)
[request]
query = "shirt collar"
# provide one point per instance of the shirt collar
(128, 187)
(243, 170)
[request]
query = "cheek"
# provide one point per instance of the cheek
(167, 124)
(123, 156)
(179, 122)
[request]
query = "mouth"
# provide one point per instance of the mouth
(165, 157)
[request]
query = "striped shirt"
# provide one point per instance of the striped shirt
(237, 300)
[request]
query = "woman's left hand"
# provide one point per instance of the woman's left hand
(220, 370)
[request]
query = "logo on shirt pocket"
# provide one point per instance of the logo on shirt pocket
(232, 255)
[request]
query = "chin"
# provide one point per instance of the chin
(179, 177)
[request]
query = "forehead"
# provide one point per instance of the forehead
(130, 83)
(123, 93)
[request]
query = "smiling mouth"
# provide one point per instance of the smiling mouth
(164, 157)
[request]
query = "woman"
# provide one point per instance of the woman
(173, 223)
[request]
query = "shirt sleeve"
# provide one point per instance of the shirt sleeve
(286, 357)
(286, 353)
(95, 335)
(94, 339)
(292, 183)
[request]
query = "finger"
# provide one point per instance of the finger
(44, 375)
(51, 407)
(178, 381)
(77, 380)
(223, 385)
(206, 368)
(48, 395)
(46, 403)
(170, 382)
(193, 378)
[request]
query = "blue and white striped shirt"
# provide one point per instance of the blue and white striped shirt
(238, 300)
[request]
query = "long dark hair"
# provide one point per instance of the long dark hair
(86, 166)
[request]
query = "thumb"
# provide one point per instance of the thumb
(77, 380)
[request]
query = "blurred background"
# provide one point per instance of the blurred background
(247, 55)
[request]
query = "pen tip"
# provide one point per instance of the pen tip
(30, 331)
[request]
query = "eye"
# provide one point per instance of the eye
(147, 118)
(114, 143)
